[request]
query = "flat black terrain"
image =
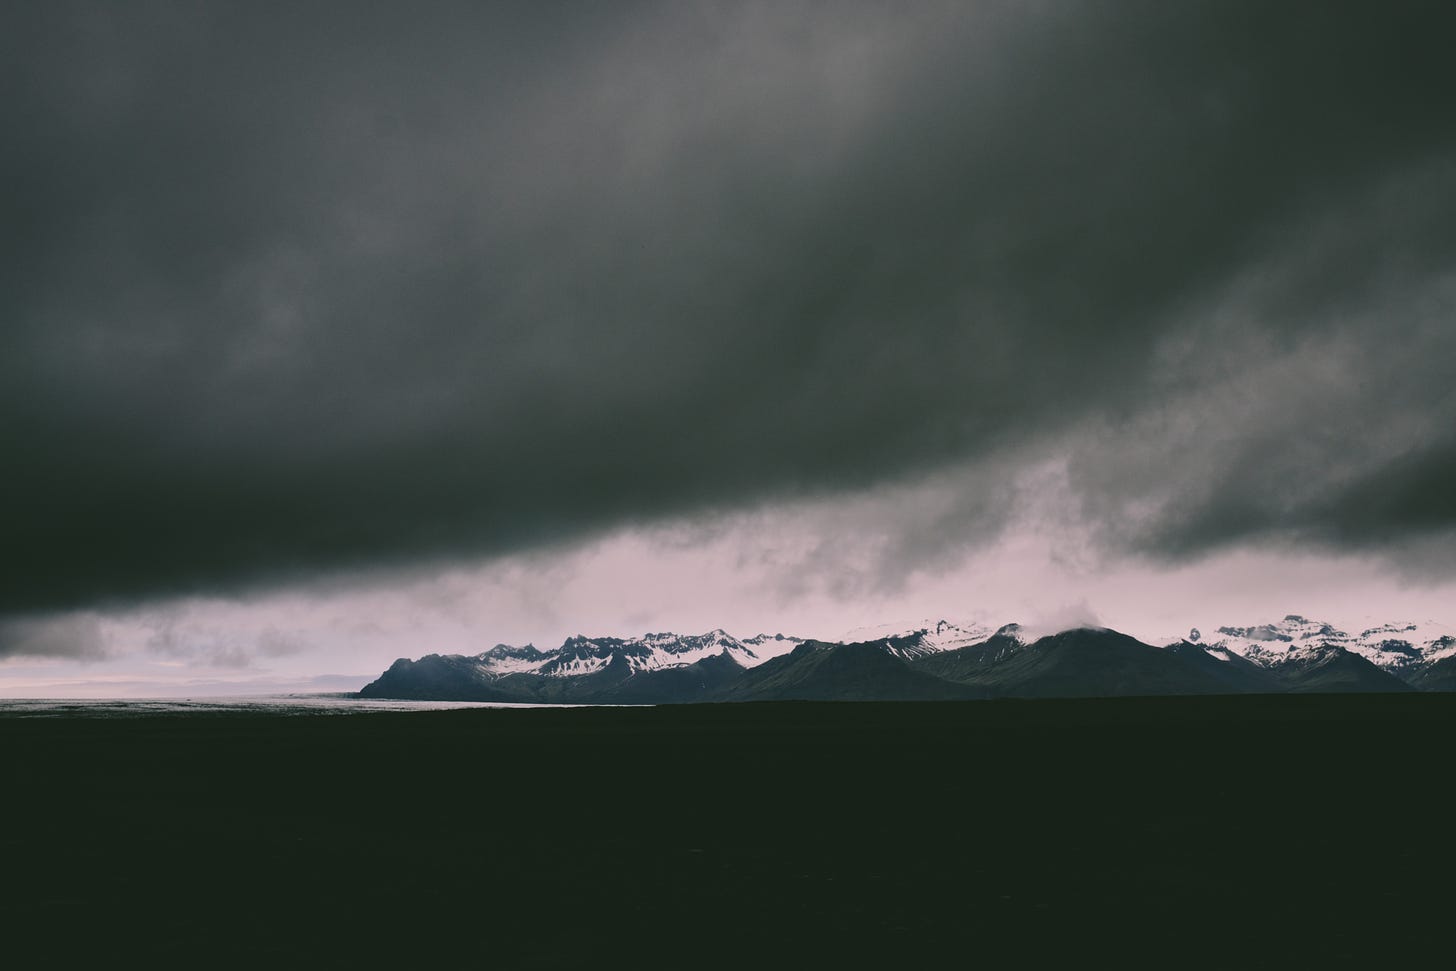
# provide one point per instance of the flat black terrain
(1289, 831)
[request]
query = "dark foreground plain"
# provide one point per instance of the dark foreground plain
(1231, 832)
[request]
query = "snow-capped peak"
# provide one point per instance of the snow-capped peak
(1391, 646)
(580, 654)
(1013, 630)
(921, 638)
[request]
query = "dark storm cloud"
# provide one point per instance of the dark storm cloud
(1335, 431)
(298, 288)
(76, 637)
(177, 636)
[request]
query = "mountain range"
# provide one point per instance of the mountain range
(938, 660)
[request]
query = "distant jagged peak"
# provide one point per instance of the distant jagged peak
(1294, 627)
(581, 646)
(765, 638)
(1427, 634)
(669, 640)
(1389, 630)
(1279, 641)
(920, 638)
(582, 654)
(504, 659)
(509, 651)
(957, 633)
(766, 647)
(1391, 646)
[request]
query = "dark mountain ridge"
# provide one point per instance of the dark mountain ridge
(1077, 663)
(820, 671)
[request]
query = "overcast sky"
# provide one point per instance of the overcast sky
(331, 333)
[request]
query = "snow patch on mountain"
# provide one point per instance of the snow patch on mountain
(674, 650)
(570, 667)
(769, 646)
(920, 639)
(1442, 648)
(504, 659)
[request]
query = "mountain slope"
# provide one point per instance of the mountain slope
(925, 639)
(966, 664)
(819, 671)
(1329, 668)
(1236, 674)
(437, 677)
(1088, 662)
(1437, 675)
(700, 681)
